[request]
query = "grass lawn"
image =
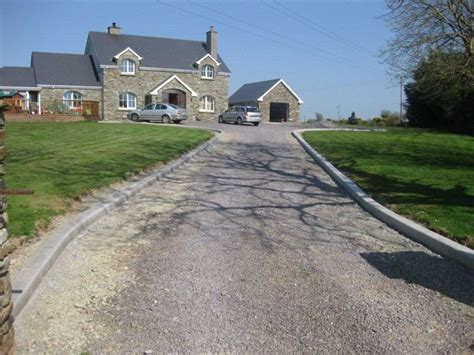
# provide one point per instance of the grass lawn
(427, 176)
(61, 161)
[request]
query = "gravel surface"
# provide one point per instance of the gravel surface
(249, 248)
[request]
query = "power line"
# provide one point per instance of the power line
(279, 35)
(318, 28)
(342, 60)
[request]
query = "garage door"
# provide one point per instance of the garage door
(279, 112)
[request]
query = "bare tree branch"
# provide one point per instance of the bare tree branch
(423, 26)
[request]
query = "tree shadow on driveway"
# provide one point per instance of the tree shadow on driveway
(269, 196)
(429, 271)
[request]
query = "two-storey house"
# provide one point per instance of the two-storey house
(125, 72)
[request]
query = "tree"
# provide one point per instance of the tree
(434, 44)
(440, 97)
(423, 26)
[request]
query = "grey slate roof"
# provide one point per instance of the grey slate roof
(156, 52)
(64, 69)
(17, 77)
(252, 91)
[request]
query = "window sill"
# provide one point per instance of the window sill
(206, 78)
(207, 111)
(127, 74)
(126, 109)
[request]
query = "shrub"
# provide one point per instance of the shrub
(4, 107)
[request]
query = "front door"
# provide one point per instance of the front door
(175, 97)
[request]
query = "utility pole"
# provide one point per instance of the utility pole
(338, 111)
(401, 100)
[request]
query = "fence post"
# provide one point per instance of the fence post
(6, 318)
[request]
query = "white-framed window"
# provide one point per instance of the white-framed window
(127, 67)
(207, 103)
(127, 101)
(72, 99)
(207, 72)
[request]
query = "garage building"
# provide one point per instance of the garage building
(275, 99)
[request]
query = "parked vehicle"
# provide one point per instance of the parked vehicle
(241, 114)
(159, 112)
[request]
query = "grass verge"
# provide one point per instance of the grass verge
(62, 161)
(427, 176)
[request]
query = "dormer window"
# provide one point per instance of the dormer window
(207, 72)
(127, 67)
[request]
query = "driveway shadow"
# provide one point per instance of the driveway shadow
(429, 271)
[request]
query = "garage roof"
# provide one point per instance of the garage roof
(253, 92)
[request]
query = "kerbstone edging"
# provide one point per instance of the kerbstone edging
(433, 241)
(37, 267)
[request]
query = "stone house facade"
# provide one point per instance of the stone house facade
(125, 72)
(275, 99)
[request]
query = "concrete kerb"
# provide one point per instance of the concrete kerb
(433, 241)
(29, 278)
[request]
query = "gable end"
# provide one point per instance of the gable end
(281, 81)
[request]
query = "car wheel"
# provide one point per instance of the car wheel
(240, 122)
(165, 119)
(135, 117)
(221, 119)
(256, 123)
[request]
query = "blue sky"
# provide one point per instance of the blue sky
(326, 50)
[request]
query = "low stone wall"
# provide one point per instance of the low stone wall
(43, 118)
(6, 305)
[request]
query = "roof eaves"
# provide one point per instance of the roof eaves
(193, 93)
(206, 56)
(287, 86)
(128, 49)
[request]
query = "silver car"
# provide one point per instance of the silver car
(241, 114)
(159, 112)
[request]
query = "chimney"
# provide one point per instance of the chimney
(211, 42)
(114, 29)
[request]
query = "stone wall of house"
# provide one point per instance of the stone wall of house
(6, 305)
(49, 95)
(144, 81)
(280, 94)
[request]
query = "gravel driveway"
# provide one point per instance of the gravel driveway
(249, 248)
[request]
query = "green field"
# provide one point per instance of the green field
(427, 176)
(61, 161)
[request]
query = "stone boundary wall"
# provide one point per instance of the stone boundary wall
(44, 118)
(6, 318)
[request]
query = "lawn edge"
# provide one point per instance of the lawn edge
(418, 233)
(31, 275)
